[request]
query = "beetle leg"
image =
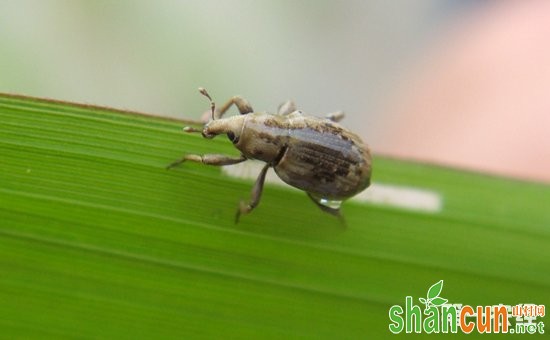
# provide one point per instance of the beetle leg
(332, 211)
(255, 195)
(335, 116)
(287, 107)
(211, 159)
(190, 129)
(242, 104)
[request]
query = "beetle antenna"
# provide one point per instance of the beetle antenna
(203, 91)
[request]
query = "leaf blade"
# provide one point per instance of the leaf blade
(93, 223)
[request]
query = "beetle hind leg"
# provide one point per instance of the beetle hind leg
(335, 116)
(286, 108)
(333, 211)
(255, 195)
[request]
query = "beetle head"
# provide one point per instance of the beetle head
(232, 126)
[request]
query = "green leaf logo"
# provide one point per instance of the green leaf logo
(435, 290)
(433, 298)
(439, 301)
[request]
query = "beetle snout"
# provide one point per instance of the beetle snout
(206, 134)
(207, 131)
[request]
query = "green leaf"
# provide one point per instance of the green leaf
(439, 301)
(98, 240)
(422, 300)
(435, 289)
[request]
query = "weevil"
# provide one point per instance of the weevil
(317, 155)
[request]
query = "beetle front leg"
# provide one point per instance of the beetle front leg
(211, 159)
(255, 195)
(242, 104)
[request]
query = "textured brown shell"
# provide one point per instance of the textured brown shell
(325, 159)
(313, 154)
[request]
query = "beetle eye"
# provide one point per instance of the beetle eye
(234, 139)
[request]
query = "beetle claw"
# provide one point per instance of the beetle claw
(175, 163)
(243, 209)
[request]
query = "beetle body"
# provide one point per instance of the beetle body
(313, 154)
(316, 155)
